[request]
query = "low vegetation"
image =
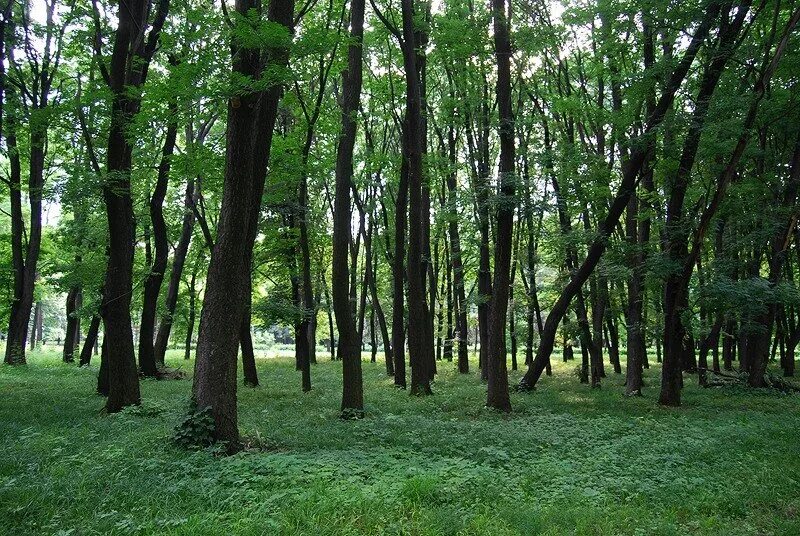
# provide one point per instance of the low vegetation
(568, 460)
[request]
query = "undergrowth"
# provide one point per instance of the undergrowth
(568, 460)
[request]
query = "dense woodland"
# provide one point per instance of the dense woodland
(608, 183)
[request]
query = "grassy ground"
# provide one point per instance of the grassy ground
(567, 461)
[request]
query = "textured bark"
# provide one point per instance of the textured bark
(497, 390)
(349, 345)
(420, 345)
(131, 48)
(251, 120)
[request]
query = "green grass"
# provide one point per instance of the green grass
(568, 460)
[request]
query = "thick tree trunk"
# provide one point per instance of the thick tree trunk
(349, 345)
(497, 391)
(420, 342)
(251, 120)
(131, 48)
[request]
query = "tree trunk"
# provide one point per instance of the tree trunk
(497, 391)
(455, 258)
(398, 274)
(130, 60)
(631, 171)
(349, 347)
(73, 324)
(420, 345)
(152, 285)
(187, 347)
(90, 341)
(251, 120)
(246, 344)
(178, 262)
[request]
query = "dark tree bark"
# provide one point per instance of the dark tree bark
(102, 376)
(678, 283)
(130, 61)
(420, 342)
(152, 285)
(35, 98)
(178, 262)
(190, 321)
(497, 391)
(398, 275)
(72, 331)
(349, 345)
(251, 120)
(90, 340)
(676, 227)
(759, 337)
(332, 333)
(246, 342)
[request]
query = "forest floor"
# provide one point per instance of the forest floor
(568, 460)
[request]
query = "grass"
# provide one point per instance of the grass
(568, 460)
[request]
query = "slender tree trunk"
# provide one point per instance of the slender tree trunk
(455, 258)
(37, 321)
(187, 347)
(398, 275)
(90, 340)
(73, 324)
(152, 285)
(178, 262)
(631, 170)
(246, 343)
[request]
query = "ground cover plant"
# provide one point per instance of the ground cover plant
(569, 460)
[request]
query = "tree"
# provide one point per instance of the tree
(349, 348)
(252, 110)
